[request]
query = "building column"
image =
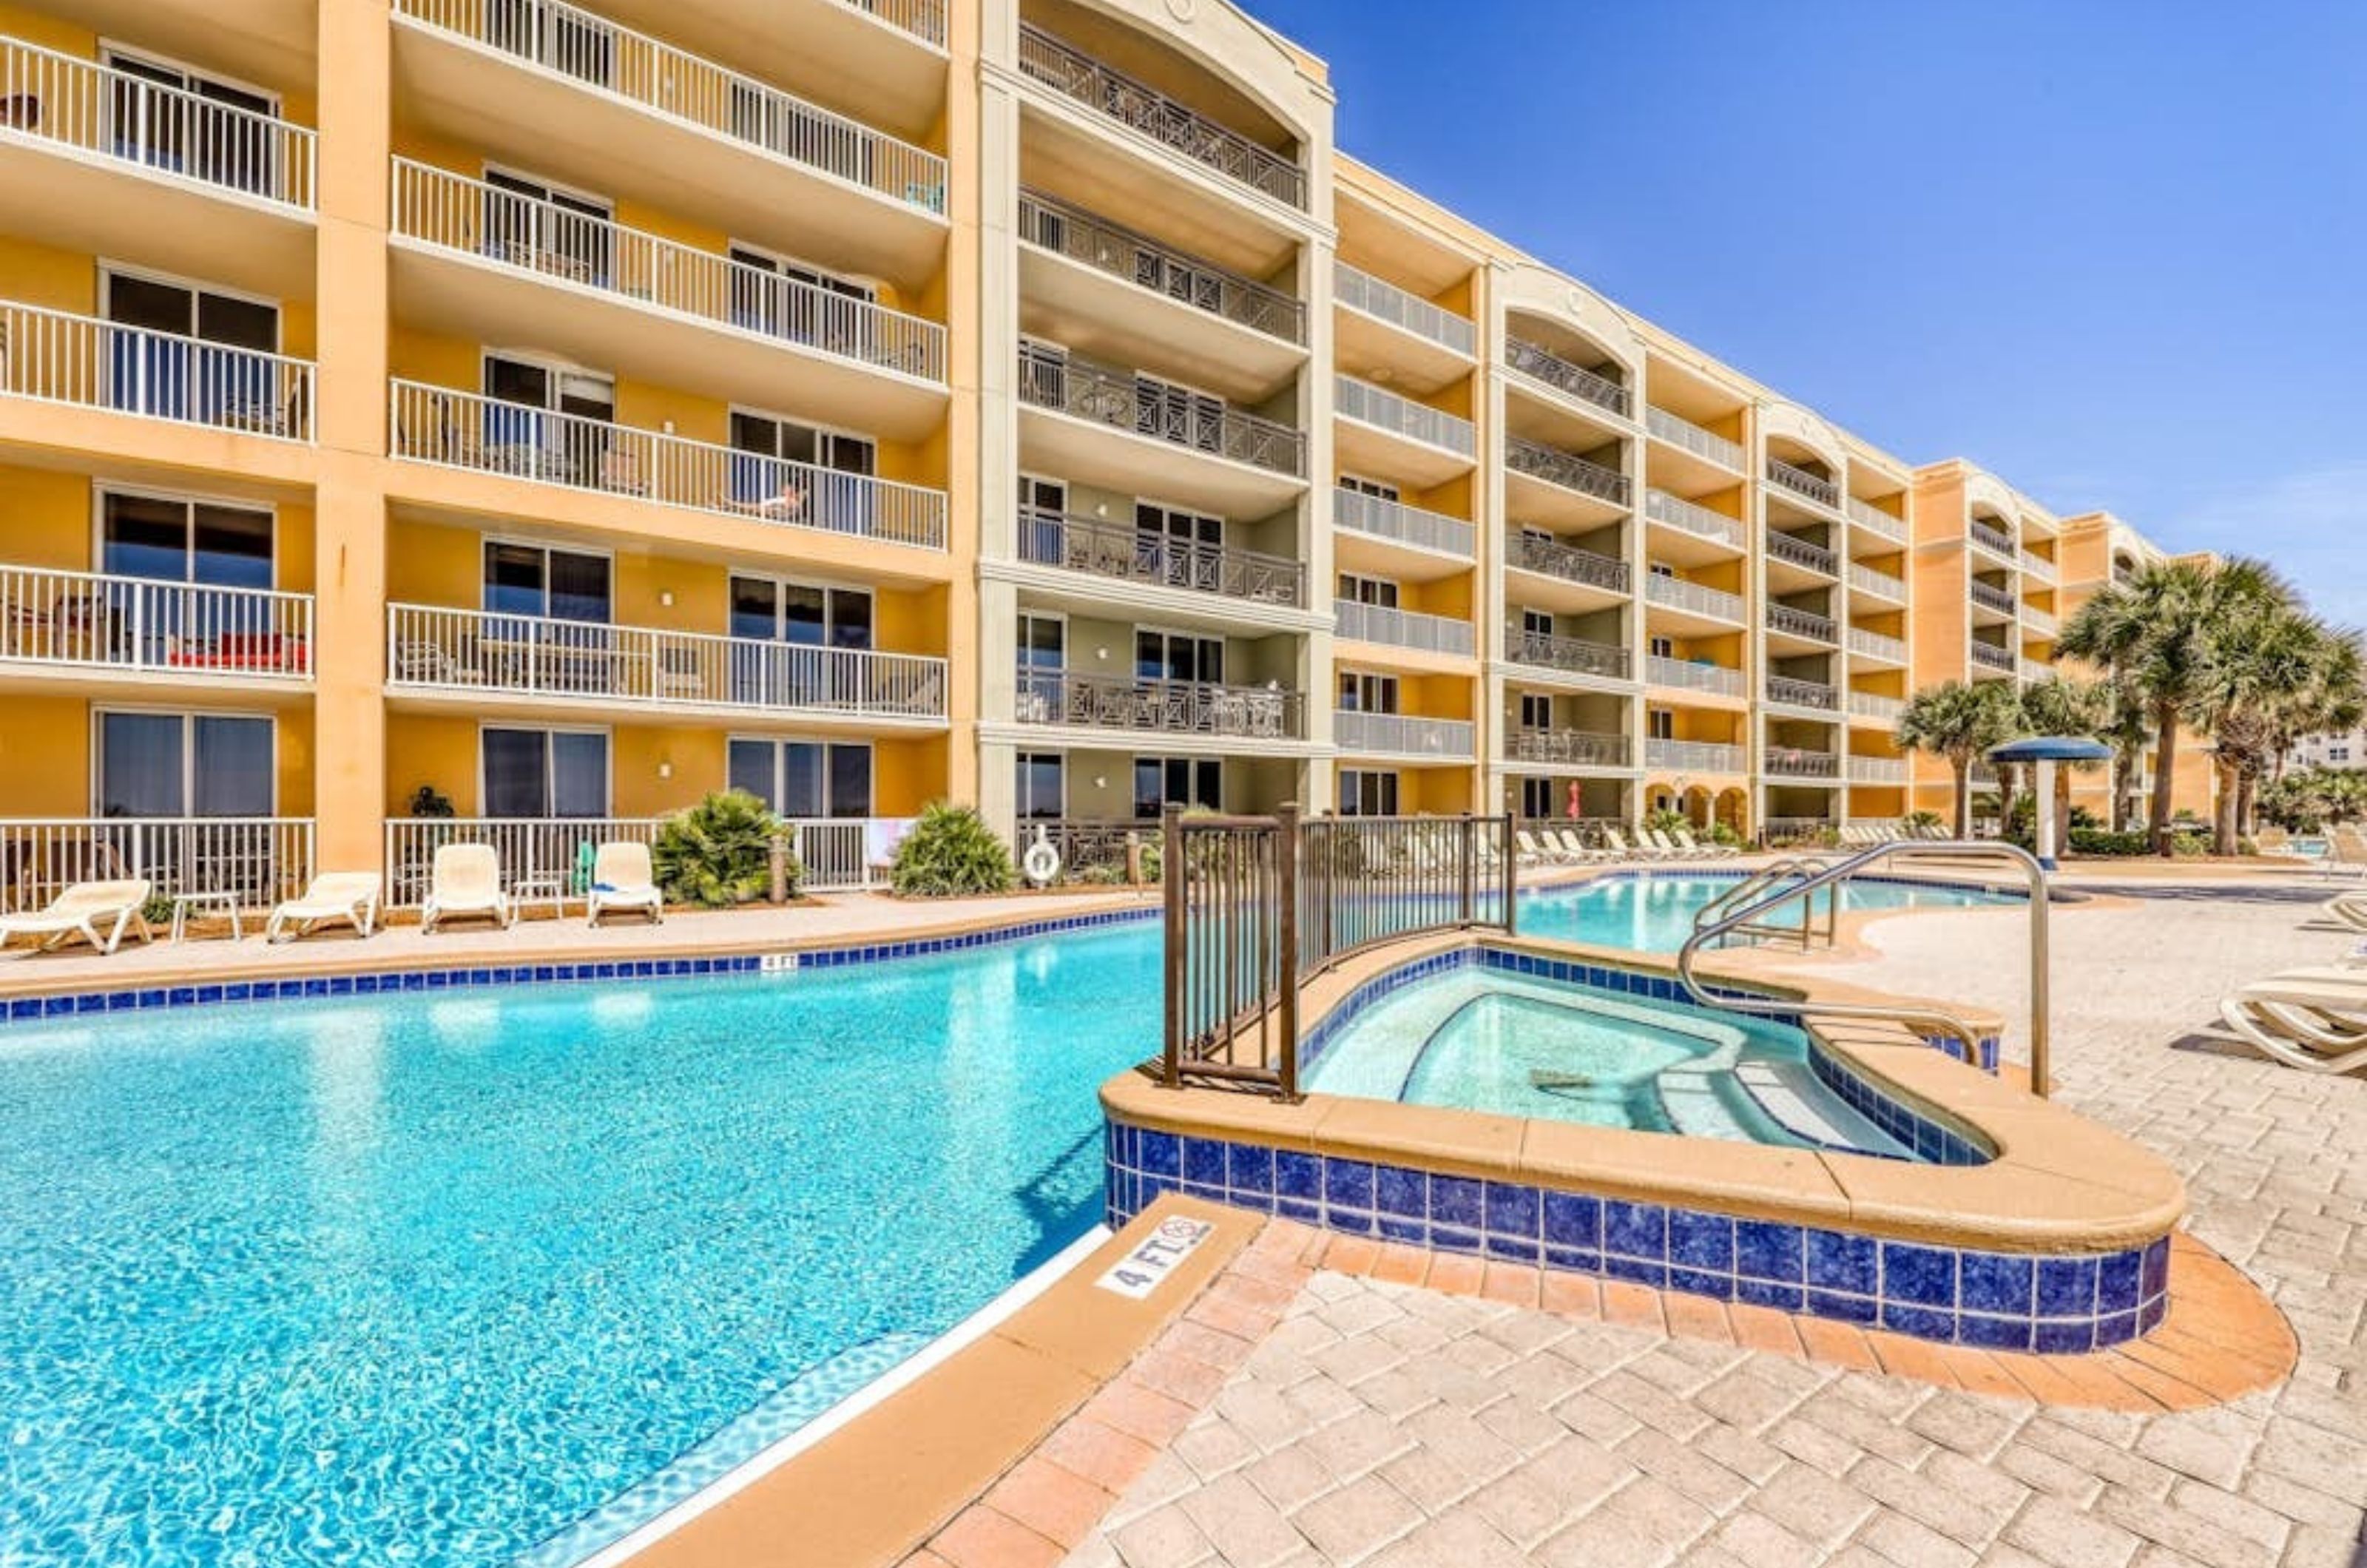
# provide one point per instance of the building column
(349, 780)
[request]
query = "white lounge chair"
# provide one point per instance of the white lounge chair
(1712, 850)
(2350, 909)
(1535, 851)
(84, 909)
(622, 879)
(1620, 847)
(1660, 841)
(348, 896)
(1575, 848)
(2312, 1018)
(465, 882)
(2346, 852)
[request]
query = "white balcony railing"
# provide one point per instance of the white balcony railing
(1989, 596)
(1368, 404)
(838, 852)
(634, 68)
(429, 648)
(54, 357)
(2036, 622)
(1881, 584)
(1402, 734)
(1992, 658)
(1876, 518)
(113, 115)
(2038, 565)
(462, 429)
(1692, 675)
(1871, 705)
(1362, 513)
(1694, 757)
(1875, 645)
(1806, 554)
(1567, 747)
(1387, 302)
(1678, 594)
(925, 19)
(1801, 483)
(259, 860)
(1684, 432)
(1676, 511)
(80, 620)
(1404, 628)
(1793, 763)
(1877, 770)
(483, 221)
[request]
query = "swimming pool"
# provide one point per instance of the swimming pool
(1655, 913)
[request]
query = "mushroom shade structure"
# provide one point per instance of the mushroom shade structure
(2047, 752)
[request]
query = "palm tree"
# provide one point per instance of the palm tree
(2276, 672)
(2154, 630)
(2063, 706)
(1959, 721)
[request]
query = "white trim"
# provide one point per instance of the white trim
(98, 770)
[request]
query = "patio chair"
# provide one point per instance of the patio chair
(1621, 849)
(84, 909)
(1573, 844)
(1711, 851)
(1671, 849)
(622, 879)
(348, 896)
(2315, 1020)
(465, 881)
(2346, 852)
(1535, 853)
(2350, 909)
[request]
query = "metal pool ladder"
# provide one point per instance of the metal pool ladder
(1743, 913)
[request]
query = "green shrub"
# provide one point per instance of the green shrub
(2104, 841)
(950, 852)
(1723, 833)
(1667, 821)
(719, 853)
(1922, 820)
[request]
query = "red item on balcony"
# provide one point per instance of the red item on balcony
(272, 653)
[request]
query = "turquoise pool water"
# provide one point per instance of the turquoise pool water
(449, 1277)
(1655, 914)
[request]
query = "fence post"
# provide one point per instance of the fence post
(1171, 872)
(1285, 858)
(1511, 877)
(1467, 869)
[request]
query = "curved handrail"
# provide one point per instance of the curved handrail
(1765, 877)
(1902, 850)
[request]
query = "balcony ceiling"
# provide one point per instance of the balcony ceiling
(1354, 551)
(1104, 167)
(1389, 356)
(1539, 412)
(1373, 242)
(1108, 318)
(1091, 453)
(79, 201)
(1531, 499)
(1690, 393)
(831, 52)
(1684, 473)
(1370, 450)
(271, 43)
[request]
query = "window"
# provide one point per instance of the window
(1368, 693)
(532, 224)
(560, 585)
(802, 473)
(221, 146)
(1538, 797)
(544, 773)
(1355, 590)
(773, 295)
(1537, 623)
(1043, 785)
(1043, 652)
(1043, 373)
(1178, 656)
(173, 764)
(1660, 724)
(1185, 780)
(804, 779)
(1043, 522)
(1178, 548)
(805, 614)
(521, 434)
(1364, 792)
(1658, 570)
(169, 377)
(167, 539)
(1536, 711)
(1373, 488)
(1663, 647)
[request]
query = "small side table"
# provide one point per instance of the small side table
(533, 888)
(224, 905)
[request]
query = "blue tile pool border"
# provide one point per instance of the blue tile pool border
(315, 988)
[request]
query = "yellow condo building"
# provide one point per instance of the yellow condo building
(543, 415)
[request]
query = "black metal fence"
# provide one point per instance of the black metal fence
(1257, 906)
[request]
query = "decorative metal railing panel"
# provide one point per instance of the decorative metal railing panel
(1089, 701)
(1801, 483)
(1792, 763)
(1802, 553)
(1575, 655)
(1567, 469)
(1104, 548)
(1550, 557)
(1064, 229)
(1541, 364)
(1567, 747)
(1793, 691)
(1802, 622)
(1149, 407)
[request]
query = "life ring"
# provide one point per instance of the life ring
(1042, 861)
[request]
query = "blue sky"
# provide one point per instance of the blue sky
(2114, 249)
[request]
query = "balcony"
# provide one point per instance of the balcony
(1573, 656)
(1877, 770)
(1547, 368)
(261, 860)
(1879, 584)
(480, 262)
(1695, 599)
(1785, 621)
(2038, 567)
(75, 624)
(1380, 424)
(2038, 623)
(1674, 512)
(1872, 705)
(52, 358)
(1377, 518)
(1687, 436)
(1884, 649)
(1799, 481)
(1808, 556)
(1694, 757)
(1405, 628)
(1556, 486)
(1099, 548)
(1382, 302)
(1990, 597)
(1992, 539)
(1790, 691)
(461, 430)
(1167, 440)
(582, 100)
(1403, 735)
(1692, 675)
(1566, 563)
(1567, 747)
(1992, 657)
(469, 655)
(1792, 763)
(1081, 699)
(1063, 229)
(1116, 96)
(1868, 515)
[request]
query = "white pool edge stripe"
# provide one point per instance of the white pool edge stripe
(969, 1331)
